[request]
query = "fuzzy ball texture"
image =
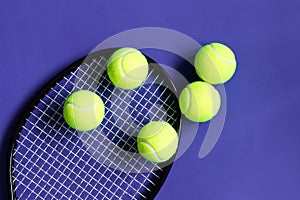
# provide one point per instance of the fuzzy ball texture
(83, 110)
(215, 63)
(199, 101)
(127, 68)
(157, 141)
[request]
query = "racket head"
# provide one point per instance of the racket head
(42, 163)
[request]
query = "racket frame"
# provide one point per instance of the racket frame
(46, 88)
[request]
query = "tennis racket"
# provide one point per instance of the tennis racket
(50, 160)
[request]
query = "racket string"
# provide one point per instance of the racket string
(116, 155)
(136, 93)
(88, 88)
(90, 79)
(53, 137)
(39, 118)
(106, 88)
(116, 134)
(46, 161)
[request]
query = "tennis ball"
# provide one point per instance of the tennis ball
(157, 141)
(199, 101)
(215, 63)
(83, 110)
(127, 68)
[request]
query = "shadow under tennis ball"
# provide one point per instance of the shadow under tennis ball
(187, 70)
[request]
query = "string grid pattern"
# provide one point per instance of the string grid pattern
(53, 161)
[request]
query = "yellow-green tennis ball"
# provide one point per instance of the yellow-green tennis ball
(127, 68)
(215, 63)
(199, 101)
(157, 141)
(83, 110)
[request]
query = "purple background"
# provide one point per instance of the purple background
(258, 155)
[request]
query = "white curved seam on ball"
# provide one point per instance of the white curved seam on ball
(219, 56)
(121, 67)
(86, 109)
(153, 150)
